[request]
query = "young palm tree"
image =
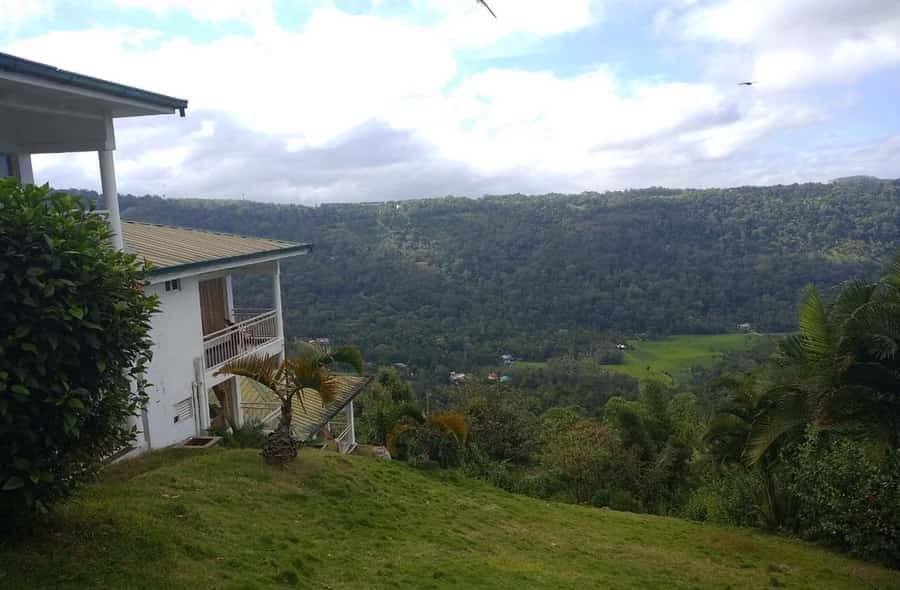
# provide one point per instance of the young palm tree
(290, 378)
(841, 371)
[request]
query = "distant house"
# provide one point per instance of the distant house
(492, 376)
(457, 377)
(507, 358)
(745, 327)
(622, 346)
(505, 379)
(198, 329)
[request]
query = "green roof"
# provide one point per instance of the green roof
(170, 248)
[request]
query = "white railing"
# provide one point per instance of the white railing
(253, 331)
(346, 440)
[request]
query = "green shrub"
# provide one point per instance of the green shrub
(728, 498)
(248, 435)
(501, 424)
(588, 457)
(625, 501)
(440, 438)
(849, 499)
(387, 403)
(74, 325)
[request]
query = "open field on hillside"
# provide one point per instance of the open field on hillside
(671, 358)
(222, 519)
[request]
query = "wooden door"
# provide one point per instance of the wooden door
(213, 305)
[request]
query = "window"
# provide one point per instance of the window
(173, 285)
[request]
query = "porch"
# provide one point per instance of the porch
(231, 333)
(252, 332)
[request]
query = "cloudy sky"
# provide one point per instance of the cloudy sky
(361, 100)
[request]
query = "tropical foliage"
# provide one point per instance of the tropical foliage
(440, 438)
(818, 427)
(291, 379)
(74, 325)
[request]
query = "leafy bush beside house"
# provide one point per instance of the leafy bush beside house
(74, 324)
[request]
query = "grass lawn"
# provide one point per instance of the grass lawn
(223, 519)
(672, 357)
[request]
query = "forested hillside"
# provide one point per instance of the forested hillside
(450, 283)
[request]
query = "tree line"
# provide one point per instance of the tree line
(449, 284)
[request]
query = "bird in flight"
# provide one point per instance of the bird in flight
(485, 4)
(746, 83)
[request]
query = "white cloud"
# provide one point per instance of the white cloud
(464, 23)
(792, 44)
(15, 13)
(355, 107)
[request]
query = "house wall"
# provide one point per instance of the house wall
(177, 340)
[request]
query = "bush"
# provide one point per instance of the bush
(588, 458)
(849, 500)
(440, 438)
(387, 403)
(74, 325)
(729, 498)
(248, 435)
(501, 425)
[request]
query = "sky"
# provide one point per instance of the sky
(370, 100)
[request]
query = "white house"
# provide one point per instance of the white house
(198, 329)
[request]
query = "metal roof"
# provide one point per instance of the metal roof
(18, 65)
(259, 402)
(170, 248)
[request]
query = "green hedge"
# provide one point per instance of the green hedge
(74, 324)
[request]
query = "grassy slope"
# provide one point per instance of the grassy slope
(222, 519)
(670, 357)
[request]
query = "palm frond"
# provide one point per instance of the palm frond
(344, 355)
(815, 328)
(303, 373)
(265, 370)
(789, 413)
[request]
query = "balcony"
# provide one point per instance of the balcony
(252, 332)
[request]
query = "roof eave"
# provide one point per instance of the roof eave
(46, 73)
(179, 271)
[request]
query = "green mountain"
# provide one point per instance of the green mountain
(225, 520)
(453, 282)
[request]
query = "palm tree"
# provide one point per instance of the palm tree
(841, 371)
(289, 378)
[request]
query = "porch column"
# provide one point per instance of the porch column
(108, 185)
(352, 422)
(276, 297)
(111, 196)
(24, 169)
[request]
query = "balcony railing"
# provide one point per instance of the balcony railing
(252, 330)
